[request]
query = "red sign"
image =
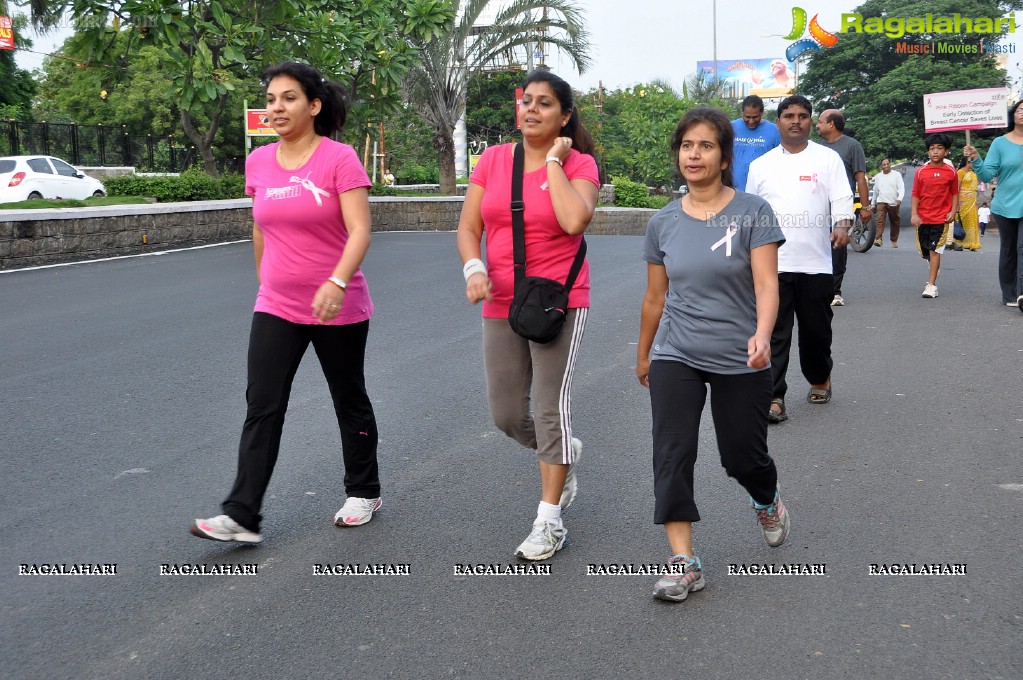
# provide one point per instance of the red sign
(6, 33)
(257, 124)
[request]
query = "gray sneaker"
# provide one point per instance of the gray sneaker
(571, 484)
(547, 537)
(677, 586)
(774, 520)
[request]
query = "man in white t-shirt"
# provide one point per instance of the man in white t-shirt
(807, 187)
(889, 189)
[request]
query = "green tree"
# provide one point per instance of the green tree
(120, 93)
(881, 91)
(436, 85)
(490, 105)
(410, 154)
(216, 45)
(633, 131)
(18, 87)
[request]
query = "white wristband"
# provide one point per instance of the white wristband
(553, 159)
(473, 266)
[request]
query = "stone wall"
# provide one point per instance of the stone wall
(31, 238)
(37, 237)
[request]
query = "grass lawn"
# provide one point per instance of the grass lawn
(42, 203)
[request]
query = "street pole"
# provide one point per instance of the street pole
(715, 13)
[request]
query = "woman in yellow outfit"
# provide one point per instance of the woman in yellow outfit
(968, 205)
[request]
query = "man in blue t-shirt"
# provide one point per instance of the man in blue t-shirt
(753, 138)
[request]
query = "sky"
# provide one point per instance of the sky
(637, 41)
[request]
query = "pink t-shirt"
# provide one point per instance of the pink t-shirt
(304, 232)
(549, 250)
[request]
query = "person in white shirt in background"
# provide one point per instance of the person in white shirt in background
(889, 189)
(983, 216)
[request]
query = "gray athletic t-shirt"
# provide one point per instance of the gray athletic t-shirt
(852, 156)
(710, 310)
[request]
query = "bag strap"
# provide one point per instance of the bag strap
(518, 208)
(577, 265)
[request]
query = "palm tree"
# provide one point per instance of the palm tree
(436, 86)
(702, 87)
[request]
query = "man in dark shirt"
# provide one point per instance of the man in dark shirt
(831, 126)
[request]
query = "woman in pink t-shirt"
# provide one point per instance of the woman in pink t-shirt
(559, 190)
(311, 232)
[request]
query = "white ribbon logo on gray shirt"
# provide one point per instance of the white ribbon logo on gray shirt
(726, 240)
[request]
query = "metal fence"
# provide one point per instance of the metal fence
(95, 145)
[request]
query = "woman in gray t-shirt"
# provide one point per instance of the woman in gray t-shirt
(708, 312)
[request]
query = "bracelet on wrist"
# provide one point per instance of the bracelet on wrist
(553, 159)
(340, 283)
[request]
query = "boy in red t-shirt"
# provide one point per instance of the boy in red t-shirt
(935, 204)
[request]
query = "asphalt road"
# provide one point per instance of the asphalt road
(122, 395)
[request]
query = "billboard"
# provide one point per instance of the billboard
(771, 77)
(257, 124)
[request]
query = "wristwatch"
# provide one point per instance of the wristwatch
(338, 282)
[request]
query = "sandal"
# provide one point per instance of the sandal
(781, 415)
(819, 395)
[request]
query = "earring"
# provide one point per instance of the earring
(564, 123)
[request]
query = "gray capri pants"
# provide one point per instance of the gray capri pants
(515, 366)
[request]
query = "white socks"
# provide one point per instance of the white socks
(549, 512)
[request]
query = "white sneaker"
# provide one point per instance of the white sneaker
(571, 484)
(357, 511)
(547, 537)
(223, 528)
(838, 301)
(930, 291)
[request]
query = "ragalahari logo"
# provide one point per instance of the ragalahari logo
(818, 36)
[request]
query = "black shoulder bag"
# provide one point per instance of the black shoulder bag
(540, 305)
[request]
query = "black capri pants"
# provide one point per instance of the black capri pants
(678, 393)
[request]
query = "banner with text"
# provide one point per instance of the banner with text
(965, 110)
(6, 33)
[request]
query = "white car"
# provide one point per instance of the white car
(26, 177)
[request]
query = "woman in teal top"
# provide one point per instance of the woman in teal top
(1005, 161)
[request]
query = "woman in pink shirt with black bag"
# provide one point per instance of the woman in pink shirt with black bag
(311, 232)
(559, 190)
